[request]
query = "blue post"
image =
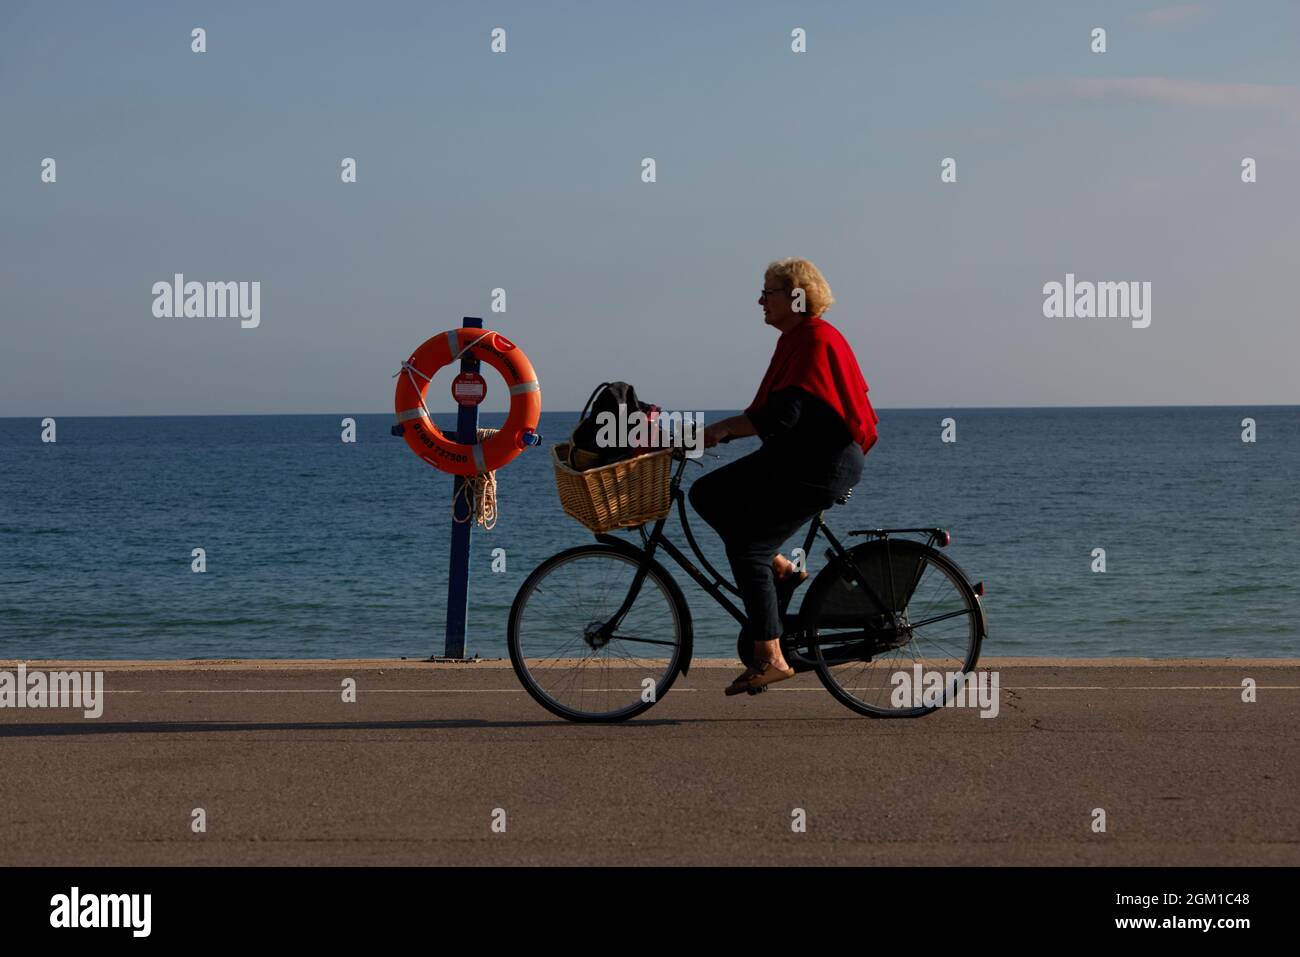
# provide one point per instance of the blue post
(458, 578)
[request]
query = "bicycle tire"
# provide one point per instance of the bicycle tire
(899, 555)
(518, 624)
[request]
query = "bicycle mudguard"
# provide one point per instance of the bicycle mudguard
(688, 630)
(979, 600)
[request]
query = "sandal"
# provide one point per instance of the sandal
(741, 684)
(769, 675)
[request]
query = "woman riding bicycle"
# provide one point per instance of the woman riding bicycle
(816, 423)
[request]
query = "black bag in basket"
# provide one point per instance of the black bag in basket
(584, 452)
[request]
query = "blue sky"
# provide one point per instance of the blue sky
(522, 171)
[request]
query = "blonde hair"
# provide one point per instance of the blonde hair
(801, 274)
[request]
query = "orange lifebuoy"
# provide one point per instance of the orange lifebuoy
(426, 439)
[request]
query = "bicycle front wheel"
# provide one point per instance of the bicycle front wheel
(893, 666)
(563, 655)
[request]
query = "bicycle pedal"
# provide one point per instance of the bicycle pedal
(759, 690)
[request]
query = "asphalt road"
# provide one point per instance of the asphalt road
(414, 771)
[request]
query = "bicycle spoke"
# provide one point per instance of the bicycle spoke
(643, 641)
(864, 664)
(555, 634)
(931, 621)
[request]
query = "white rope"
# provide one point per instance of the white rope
(479, 493)
(475, 342)
(419, 393)
(409, 368)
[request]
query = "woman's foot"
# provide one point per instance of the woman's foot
(768, 653)
(786, 579)
(741, 684)
(768, 661)
(769, 672)
(782, 567)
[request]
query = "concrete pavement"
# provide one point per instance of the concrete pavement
(417, 770)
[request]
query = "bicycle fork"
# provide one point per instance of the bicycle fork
(599, 636)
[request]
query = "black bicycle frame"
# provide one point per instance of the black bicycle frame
(715, 586)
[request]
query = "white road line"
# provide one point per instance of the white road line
(368, 691)
(312, 690)
(1146, 687)
(1117, 688)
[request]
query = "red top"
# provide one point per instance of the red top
(814, 356)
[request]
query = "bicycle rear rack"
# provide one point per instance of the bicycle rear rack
(938, 536)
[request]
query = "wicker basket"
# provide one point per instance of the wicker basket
(623, 495)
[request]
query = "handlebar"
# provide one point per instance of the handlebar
(679, 453)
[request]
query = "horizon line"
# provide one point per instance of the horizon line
(919, 408)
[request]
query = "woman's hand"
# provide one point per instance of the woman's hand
(736, 427)
(715, 433)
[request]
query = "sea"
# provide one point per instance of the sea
(1152, 532)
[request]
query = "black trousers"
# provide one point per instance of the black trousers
(756, 503)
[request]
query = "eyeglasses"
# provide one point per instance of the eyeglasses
(763, 294)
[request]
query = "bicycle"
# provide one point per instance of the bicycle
(604, 600)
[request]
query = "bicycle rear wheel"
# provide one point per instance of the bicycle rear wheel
(879, 668)
(555, 640)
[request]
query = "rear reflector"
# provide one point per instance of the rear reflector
(979, 589)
